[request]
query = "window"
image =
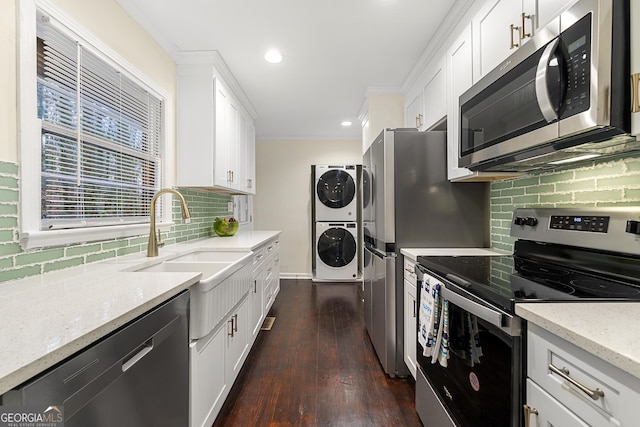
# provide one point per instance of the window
(100, 137)
(97, 146)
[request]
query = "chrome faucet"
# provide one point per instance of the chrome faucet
(154, 242)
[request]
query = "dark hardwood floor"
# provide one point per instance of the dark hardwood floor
(317, 367)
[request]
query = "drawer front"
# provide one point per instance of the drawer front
(614, 407)
(258, 257)
(548, 411)
(410, 271)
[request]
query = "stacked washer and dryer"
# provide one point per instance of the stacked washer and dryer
(335, 220)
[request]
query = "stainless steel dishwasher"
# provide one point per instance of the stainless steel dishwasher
(136, 376)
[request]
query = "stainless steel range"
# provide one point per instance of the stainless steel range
(471, 373)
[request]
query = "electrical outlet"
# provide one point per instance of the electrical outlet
(230, 206)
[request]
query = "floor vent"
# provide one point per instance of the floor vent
(268, 323)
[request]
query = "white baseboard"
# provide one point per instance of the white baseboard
(296, 276)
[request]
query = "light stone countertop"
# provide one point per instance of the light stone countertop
(608, 330)
(49, 317)
(414, 253)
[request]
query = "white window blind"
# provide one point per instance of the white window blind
(100, 139)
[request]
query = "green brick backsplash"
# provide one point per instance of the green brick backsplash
(16, 263)
(612, 183)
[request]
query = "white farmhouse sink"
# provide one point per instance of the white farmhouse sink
(226, 277)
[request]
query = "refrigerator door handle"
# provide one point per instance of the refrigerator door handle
(381, 254)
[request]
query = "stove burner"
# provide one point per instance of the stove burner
(542, 271)
(604, 288)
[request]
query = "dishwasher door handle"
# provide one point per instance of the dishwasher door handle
(146, 348)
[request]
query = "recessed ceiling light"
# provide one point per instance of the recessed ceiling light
(346, 123)
(273, 56)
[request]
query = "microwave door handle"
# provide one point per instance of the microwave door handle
(542, 92)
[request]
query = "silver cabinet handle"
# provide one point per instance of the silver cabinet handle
(542, 92)
(635, 82)
(235, 323)
(528, 411)
(230, 333)
(524, 35)
(513, 44)
(564, 374)
(419, 120)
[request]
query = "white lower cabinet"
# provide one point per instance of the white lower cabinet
(237, 340)
(256, 312)
(410, 313)
(272, 274)
(547, 411)
(237, 309)
(567, 386)
(207, 385)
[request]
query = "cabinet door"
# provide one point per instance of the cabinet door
(237, 329)
(250, 163)
(256, 313)
(221, 134)
(231, 144)
(459, 79)
(240, 176)
(635, 66)
(410, 326)
(549, 9)
(207, 384)
(414, 116)
(496, 33)
(434, 95)
(549, 411)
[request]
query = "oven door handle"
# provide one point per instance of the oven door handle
(485, 313)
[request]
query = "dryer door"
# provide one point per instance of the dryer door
(336, 247)
(336, 188)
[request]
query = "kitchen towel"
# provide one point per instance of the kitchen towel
(443, 347)
(426, 317)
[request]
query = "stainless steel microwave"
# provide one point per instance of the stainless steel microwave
(564, 96)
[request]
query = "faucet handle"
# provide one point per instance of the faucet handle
(159, 242)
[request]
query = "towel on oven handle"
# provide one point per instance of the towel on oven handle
(429, 295)
(443, 342)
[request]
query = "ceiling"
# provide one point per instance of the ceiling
(335, 52)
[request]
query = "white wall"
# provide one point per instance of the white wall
(283, 199)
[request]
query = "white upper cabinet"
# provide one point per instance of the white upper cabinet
(502, 26)
(216, 134)
(635, 68)
(429, 103)
(414, 116)
(496, 33)
(435, 94)
(459, 79)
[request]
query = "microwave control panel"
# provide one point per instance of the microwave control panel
(576, 42)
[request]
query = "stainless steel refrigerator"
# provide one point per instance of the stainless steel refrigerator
(407, 202)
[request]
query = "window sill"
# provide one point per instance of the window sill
(43, 239)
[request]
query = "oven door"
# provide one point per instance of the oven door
(481, 385)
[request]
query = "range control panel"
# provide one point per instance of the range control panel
(594, 224)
